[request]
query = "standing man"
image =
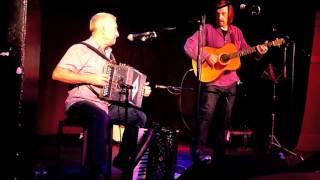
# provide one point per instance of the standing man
(224, 86)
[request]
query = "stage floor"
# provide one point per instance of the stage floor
(240, 163)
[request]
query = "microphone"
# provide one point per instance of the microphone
(142, 36)
(6, 53)
(172, 88)
(125, 86)
(161, 86)
(254, 10)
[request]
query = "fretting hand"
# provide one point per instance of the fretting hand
(262, 49)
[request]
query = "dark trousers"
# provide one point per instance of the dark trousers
(136, 119)
(209, 98)
(98, 123)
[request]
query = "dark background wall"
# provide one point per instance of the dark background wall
(164, 62)
(37, 33)
(52, 26)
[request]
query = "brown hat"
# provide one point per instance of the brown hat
(221, 3)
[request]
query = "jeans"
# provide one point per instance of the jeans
(209, 98)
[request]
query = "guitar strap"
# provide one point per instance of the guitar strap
(232, 36)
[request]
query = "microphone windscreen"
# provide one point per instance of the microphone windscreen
(130, 37)
(243, 6)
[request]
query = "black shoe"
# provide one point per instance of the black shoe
(121, 163)
(95, 177)
(203, 159)
(100, 177)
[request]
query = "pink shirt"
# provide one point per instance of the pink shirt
(213, 37)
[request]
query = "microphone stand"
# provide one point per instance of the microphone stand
(292, 71)
(198, 91)
(275, 81)
(125, 90)
(176, 88)
(180, 88)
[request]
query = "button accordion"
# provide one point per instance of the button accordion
(123, 78)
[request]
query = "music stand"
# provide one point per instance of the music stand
(269, 73)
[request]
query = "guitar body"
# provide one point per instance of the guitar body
(208, 73)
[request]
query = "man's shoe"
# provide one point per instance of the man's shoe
(100, 177)
(227, 136)
(95, 177)
(121, 163)
(203, 159)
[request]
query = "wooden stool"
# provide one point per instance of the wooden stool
(68, 122)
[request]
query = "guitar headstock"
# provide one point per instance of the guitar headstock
(278, 42)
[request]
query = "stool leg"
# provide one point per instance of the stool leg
(84, 147)
(109, 154)
(59, 150)
(245, 140)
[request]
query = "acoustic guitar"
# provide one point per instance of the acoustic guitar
(228, 59)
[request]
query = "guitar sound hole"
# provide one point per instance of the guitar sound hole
(224, 58)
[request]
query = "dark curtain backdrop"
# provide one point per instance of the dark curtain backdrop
(37, 33)
(310, 133)
(164, 62)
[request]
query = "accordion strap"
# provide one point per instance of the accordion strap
(101, 55)
(93, 90)
(98, 52)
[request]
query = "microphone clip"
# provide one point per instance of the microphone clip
(142, 36)
(148, 36)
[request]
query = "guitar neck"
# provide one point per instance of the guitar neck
(249, 50)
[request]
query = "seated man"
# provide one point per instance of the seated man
(83, 67)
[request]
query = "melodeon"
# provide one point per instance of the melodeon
(123, 78)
